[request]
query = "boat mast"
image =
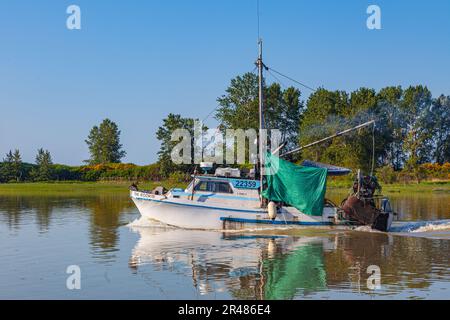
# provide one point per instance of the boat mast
(260, 65)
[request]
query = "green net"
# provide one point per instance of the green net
(301, 187)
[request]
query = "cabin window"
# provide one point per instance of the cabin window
(222, 187)
(204, 186)
(216, 187)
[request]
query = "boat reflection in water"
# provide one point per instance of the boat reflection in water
(249, 266)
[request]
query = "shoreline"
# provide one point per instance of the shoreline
(78, 187)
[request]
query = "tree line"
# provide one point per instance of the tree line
(104, 147)
(410, 142)
(104, 164)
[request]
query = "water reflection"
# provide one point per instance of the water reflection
(105, 219)
(321, 264)
(103, 211)
(262, 267)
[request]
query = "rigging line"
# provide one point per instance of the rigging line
(293, 80)
(280, 82)
(304, 85)
(209, 114)
(308, 87)
(284, 85)
(276, 78)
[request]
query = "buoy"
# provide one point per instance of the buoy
(272, 210)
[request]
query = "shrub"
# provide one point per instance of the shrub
(387, 174)
(66, 173)
(436, 171)
(178, 177)
(90, 175)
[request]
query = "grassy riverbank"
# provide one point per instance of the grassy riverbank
(82, 188)
(423, 187)
(75, 188)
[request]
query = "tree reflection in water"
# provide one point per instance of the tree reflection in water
(103, 211)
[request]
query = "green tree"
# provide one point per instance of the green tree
(164, 134)
(418, 140)
(7, 171)
(239, 107)
(390, 103)
(17, 165)
(283, 109)
(324, 116)
(11, 168)
(440, 122)
(328, 112)
(104, 143)
(364, 107)
(44, 169)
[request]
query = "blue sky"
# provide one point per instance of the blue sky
(136, 61)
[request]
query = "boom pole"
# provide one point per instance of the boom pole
(329, 138)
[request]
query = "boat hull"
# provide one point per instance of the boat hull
(190, 215)
(178, 215)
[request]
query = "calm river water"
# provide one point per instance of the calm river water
(122, 258)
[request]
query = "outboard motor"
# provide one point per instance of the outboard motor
(360, 207)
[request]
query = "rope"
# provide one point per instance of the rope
(293, 80)
(276, 78)
(302, 84)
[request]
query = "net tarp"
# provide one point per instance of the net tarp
(301, 187)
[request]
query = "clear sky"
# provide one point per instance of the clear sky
(136, 61)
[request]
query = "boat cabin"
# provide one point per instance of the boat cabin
(217, 189)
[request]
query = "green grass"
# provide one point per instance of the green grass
(85, 188)
(77, 188)
(423, 187)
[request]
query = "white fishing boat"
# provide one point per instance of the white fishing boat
(289, 195)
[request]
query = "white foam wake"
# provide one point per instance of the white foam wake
(422, 226)
(365, 229)
(146, 223)
(433, 227)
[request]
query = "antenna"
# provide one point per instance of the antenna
(257, 14)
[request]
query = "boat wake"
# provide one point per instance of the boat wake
(421, 226)
(416, 228)
(439, 229)
(366, 229)
(147, 223)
